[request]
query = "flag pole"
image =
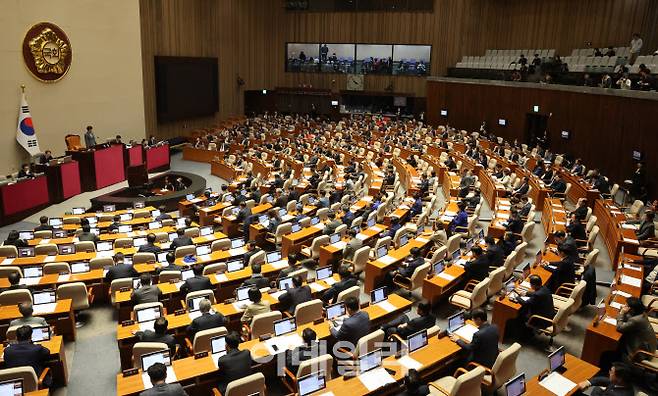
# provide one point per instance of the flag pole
(23, 88)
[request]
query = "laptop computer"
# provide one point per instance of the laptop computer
(137, 242)
(32, 271)
(311, 383)
(95, 231)
(382, 251)
(92, 221)
(417, 340)
(264, 219)
(335, 310)
(44, 297)
(104, 246)
(323, 272)
(282, 212)
(155, 225)
(78, 211)
(526, 271)
(284, 326)
(68, 248)
(371, 222)
(139, 205)
(370, 361)
(205, 231)
(13, 387)
(237, 243)
(59, 233)
(438, 267)
(203, 250)
(187, 274)
(515, 386)
(456, 255)
(457, 325)
(242, 293)
(78, 268)
(273, 257)
(147, 314)
(315, 220)
(26, 235)
(109, 208)
(126, 216)
(193, 303)
(181, 222)
(189, 197)
(162, 257)
(285, 283)
(228, 198)
(295, 227)
(55, 222)
(334, 238)
(149, 359)
(218, 346)
(469, 245)
(125, 228)
(378, 295)
(39, 334)
(556, 360)
(404, 239)
(235, 265)
(171, 236)
(235, 211)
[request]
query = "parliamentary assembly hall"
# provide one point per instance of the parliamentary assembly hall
(328, 197)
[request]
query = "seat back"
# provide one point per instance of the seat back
(119, 284)
(385, 241)
(318, 242)
(590, 223)
(496, 277)
(419, 275)
(76, 291)
(591, 257)
(122, 243)
(561, 318)
(360, 259)
(84, 246)
(264, 323)
(504, 368)
(142, 348)
(185, 250)
(592, 236)
(15, 297)
(209, 294)
(100, 263)
(221, 244)
(510, 264)
(26, 373)
(8, 251)
(281, 230)
(71, 220)
(439, 254)
(192, 232)
(526, 233)
(148, 305)
(143, 257)
(202, 338)
(357, 222)
(453, 242)
(48, 249)
(479, 293)
(167, 276)
(469, 383)
(636, 207)
(43, 234)
(258, 258)
(308, 312)
(369, 342)
(6, 270)
(217, 268)
(349, 292)
(56, 268)
(577, 295)
(73, 142)
(250, 385)
(323, 362)
(398, 234)
(520, 252)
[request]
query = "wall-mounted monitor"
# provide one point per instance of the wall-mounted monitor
(637, 155)
(302, 57)
(502, 122)
(444, 113)
(535, 108)
(565, 135)
(334, 103)
(337, 58)
(374, 58)
(411, 60)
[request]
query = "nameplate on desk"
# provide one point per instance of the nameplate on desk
(129, 372)
(63, 278)
(622, 293)
(205, 257)
(422, 240)
(179, 312)
(629, 280)
(29, 281)
(200, 355)
(610, 321)
(127, 323)
(49, 259)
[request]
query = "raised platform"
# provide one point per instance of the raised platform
(150, 194)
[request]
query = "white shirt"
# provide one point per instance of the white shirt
(636, 45)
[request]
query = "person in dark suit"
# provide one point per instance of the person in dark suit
(309, 350)
(25, 172)
(120, 270)
(619, 382)
(515, 223)
(523, 188)
(172, 266)
(25, 353)
(333, 223)
(495, 252)
(235, 364)
(181, 239)
(346, 281)
(159, 334)
(296, 295)
(647, 228)
(564, 271)
(404, 327)
(257, 279)
(206, 321)
(43, 224)
(355, 326)
(413, 385)
(147, 292)
(538, 301)
(14, 240)
(158, 375)
(576, 228)
(577, 169)
(581, 209)
(461, 220)
(478, 267)
(352, 246)
(408, 267)
(243, 213)
(601, 184)
(14, 279)
(87, 235)
(197, 282)
(150, 247)
(483, 349)
(558, 185)
(636, 330)
(252, 249)
(116, 223)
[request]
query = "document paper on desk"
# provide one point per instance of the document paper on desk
(8, 261)
(445, 276)
(284, 343)
(49, 259)
(44, 308)
(410, 363)
(611, 321)
(466, 332)
(629, 280)
(330, 281)
(316, 287)
(388, 259)
(29, 281)
(386, 306)
(221, 278)
(557, 384)
(340, 245)
(171, 378)
(375, 379)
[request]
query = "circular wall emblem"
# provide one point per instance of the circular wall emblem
(47, 52)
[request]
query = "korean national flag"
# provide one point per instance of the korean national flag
(25, 134)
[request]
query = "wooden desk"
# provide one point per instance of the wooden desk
(292, 243)
(207, 215)
(501, 215)
(579, 188)
(436, 287)
(201, 155)
(231, 226)
(57, 359)
(576, 371)
(377, 269)
(609, 219)
(62, 318)
(553, 216)
(601, 336)
(331, 254)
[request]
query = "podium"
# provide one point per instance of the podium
(137, 175)
(63, 180)
(21, 198)
(100, 167)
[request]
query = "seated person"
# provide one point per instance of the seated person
(404, 327)
(618, 383)
(159, 334)
(576, 229)
(297, 294)
(581, 208)
(558, 185)
(461, 220)
(307, 351)
(478, 267)
(181, 239)
(163, 213)
(414, 385)
(352, 246)
(636, 330)
(14, 240)
(26, 353)
(235, 364)
(120, 269)
(330, 227)
(483, 349)
(257, 279)
(14, 279)
(116, 223)
(150, 246)
(252, 249)
(355, 326)
(197, 282)
(25, 172)
(407, 267)
(207, 320)
(158, 374)
(87, 235)
(647, 229)
(257, 306)
(538, 301)
(515, 223)
(43, 224)
(346, 281)
(171, 264)
(146, 292)
(26, 310)
(395, 226)
(564, 271)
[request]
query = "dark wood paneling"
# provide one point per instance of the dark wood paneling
(605, 129)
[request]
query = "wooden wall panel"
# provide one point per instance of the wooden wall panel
(605, 129)
(249, 38)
